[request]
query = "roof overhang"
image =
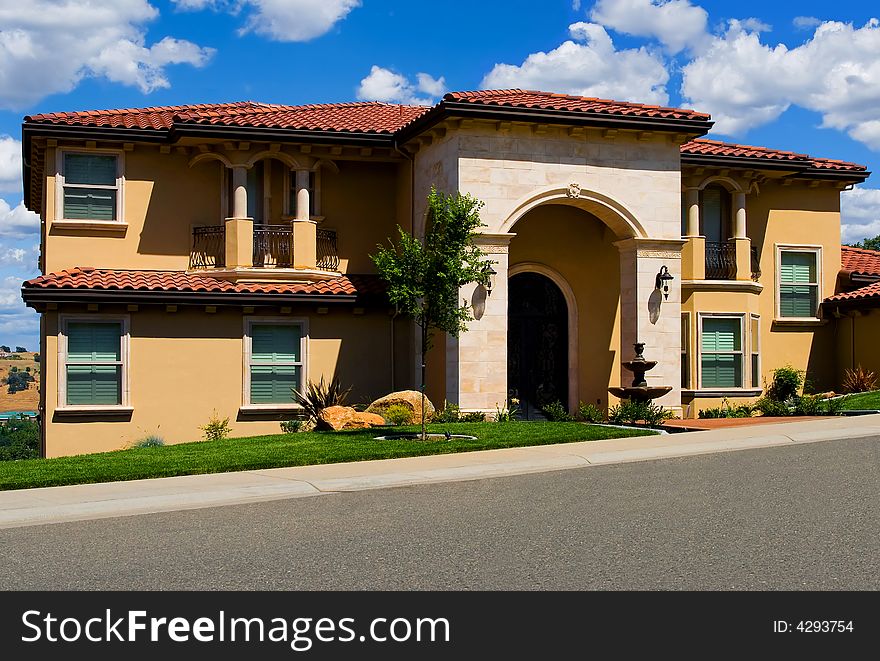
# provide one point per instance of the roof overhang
(790, 168)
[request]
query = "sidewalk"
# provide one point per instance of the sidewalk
(29, 507)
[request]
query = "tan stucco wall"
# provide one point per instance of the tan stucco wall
(856, 338)
(186, 364)
(580, 249)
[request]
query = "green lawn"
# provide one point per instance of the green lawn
(289, 450)
(862, 400)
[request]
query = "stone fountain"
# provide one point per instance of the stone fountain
(640, 391)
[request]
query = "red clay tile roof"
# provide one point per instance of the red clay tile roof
(89, 278)
(361, 117)
(706, 147)
(870, 292)
(859, 260)
(548, 101)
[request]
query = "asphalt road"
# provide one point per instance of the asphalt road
(791, 518)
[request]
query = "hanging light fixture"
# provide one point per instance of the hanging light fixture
(662, 281)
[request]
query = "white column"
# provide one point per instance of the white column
(739, 215)
(302, 195)
(239, 192)
(692, 208)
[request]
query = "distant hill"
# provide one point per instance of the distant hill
(24, 400)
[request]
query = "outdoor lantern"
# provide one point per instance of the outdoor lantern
(491, 273)
(662, 281)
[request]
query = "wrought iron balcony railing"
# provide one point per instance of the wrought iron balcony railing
(208, 247)
(327, 253)
(720, 260)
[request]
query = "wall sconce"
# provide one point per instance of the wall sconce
(662, 281)
(488, 270)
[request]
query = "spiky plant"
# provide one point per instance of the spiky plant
(318, 396)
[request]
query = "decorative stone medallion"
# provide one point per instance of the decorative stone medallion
(574, 190)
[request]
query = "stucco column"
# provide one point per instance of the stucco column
(302, 195)
(741, 239)
(693, 254)
(239, 228)
(646, 316)
(692, 209)
(476, 362)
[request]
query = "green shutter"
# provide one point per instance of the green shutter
(721, 335)
(96, 383)
(798, 300)
(94, 169)
(722, 370)
(798, 267)
(89, 204)
(273, 378)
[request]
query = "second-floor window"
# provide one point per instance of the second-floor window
(715, 213)
(798, 283)
(90, 185)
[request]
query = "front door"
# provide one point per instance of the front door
(537, 344)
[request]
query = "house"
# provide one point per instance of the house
(213, 257)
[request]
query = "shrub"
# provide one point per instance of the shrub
(834, 406)
(808, 405)
(556, 412)
(509, 412)
(449, 413)
(318, 396)
(632, 412)
(398, 414)
(728, 411)
(291, 426)
(786, 384)
(19, 439)
(772, 408)
(589, 413)
(216, 429)
(859, 380)
(151, 441)
(474, 416)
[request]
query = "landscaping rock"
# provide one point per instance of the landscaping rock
(411, 399)
(338, 418)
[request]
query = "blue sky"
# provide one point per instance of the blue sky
(799, 76)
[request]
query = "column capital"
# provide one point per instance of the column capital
(493, 243)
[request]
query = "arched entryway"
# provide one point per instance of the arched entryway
(537, 343)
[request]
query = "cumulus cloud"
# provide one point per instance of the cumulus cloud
(677, 24)
(49, 46)
(745, 83)
(17, 221)
(588, 65)
(280, 20)
(860, 214)
(806, 22)
(18, 324)
(385, 85)
(10, 164)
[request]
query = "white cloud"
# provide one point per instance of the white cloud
(18, 324)
(17, 221)
(576, 5)
(10, 164)
(385, 85)
(860, 214)
(49, 46)
(677, 24)
(745, 83)
(12, 256)
(588, 65)
(806, 22)
(281, 20)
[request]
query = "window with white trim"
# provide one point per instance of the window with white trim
(91, 186)
(798, 283)
(274, 362)
(94, 369)
(721, 352)
(755, 344)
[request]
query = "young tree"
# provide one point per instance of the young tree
(424, 276)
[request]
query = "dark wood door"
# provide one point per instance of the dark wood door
(537, 344)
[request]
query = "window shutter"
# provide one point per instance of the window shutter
(722, 370)
(100, 382)
(711, 214)
(798, 267)
(273, 348)
(721, 335)
(89, 204)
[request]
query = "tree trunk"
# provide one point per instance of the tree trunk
(424, 352)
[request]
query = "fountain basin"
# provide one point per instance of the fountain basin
(640, 393)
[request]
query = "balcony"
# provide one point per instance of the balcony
(272, 247)
(720, 260)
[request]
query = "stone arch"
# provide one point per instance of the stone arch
(615, 215)
(287, 159)
(210, 156)
(731, 185)
(571, 302)
(325, 163)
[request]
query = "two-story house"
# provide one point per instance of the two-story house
(215, 257)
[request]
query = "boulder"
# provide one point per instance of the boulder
(338, 418)
(411, 399)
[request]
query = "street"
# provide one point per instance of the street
(801, 517)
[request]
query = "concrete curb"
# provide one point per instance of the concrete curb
(28, 507)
